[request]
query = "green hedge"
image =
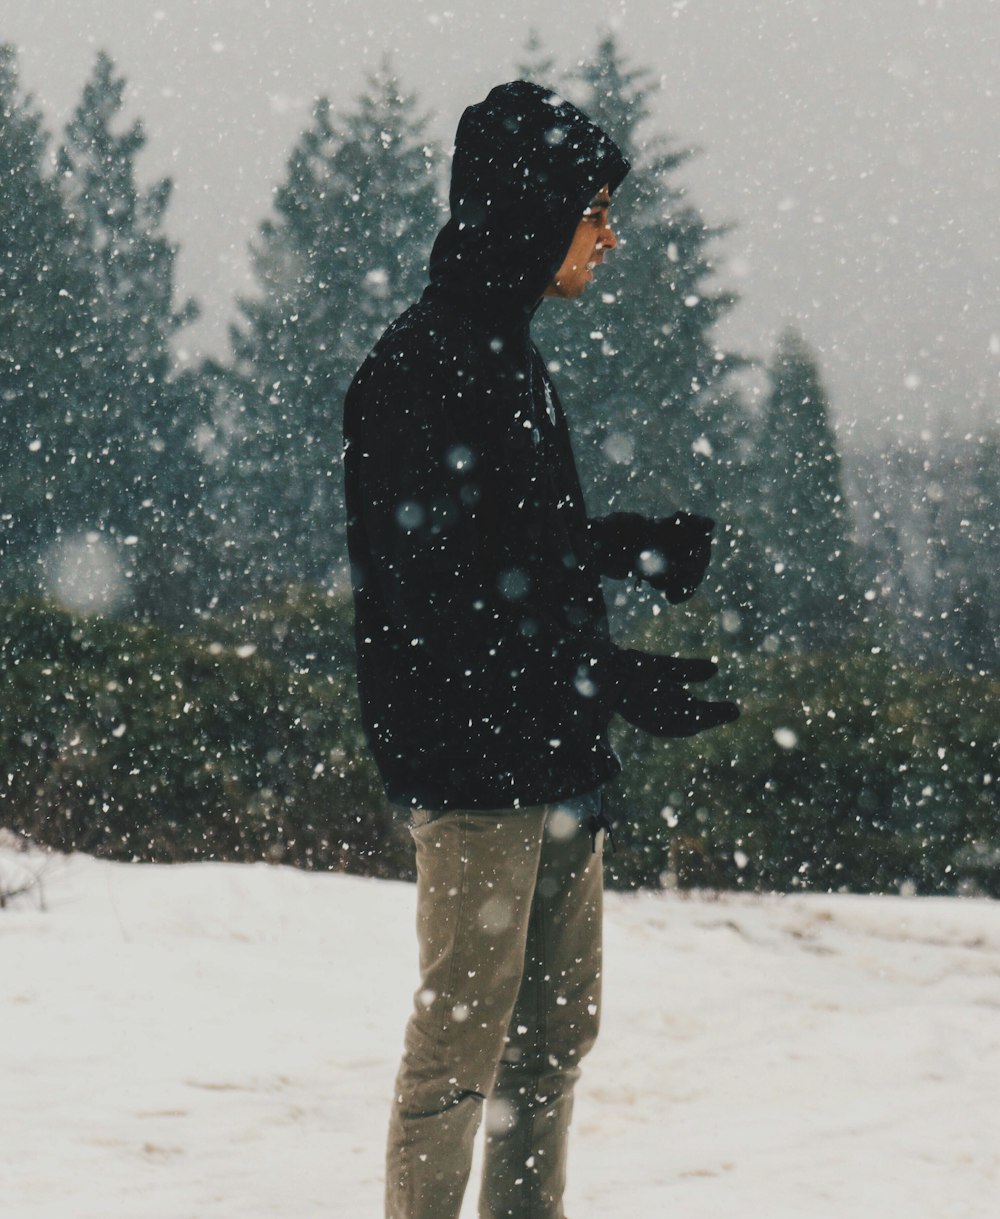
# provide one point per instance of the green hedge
(135, 743)
(848, 771)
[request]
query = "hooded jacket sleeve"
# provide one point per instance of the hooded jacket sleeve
(615, 542)
(672, 552)
(443, 518)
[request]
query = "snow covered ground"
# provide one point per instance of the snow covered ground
(218, 1042)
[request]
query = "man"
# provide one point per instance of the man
(485, 665)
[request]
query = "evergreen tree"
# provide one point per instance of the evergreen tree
(657, 425)
(880, 484)
(43, 288)
(811, 599)
(930, 547)
(961, 614)
(537, 66)
(138, 474)
(723, 472)
(344, 253)
(643, 376)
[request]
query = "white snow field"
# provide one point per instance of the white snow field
(215, 1041)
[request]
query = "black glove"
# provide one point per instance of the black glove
(651, 694)
(671, 552)
(676, 557)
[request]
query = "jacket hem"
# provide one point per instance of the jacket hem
(496, 798)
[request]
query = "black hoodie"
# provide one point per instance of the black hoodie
(482, 637)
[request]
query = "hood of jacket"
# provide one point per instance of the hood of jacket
(526, 165)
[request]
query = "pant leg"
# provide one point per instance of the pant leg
(554, 1024)
(476, 878)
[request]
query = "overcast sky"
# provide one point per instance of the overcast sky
(852, 142)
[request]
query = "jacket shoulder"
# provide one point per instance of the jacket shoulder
(422, 350)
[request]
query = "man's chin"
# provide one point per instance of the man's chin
(566, 292)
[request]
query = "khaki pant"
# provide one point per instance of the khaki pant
(509, 926)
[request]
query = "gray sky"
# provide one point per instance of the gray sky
(852, 142)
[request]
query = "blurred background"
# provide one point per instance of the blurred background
(211, 210)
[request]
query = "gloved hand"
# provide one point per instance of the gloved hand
(672, 552)
(651, 694)
(677, 554)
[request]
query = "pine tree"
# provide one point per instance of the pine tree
(811, 598)
(723, 471)
(138, 472)
(961, 618)
(537, 66)
(880, 486)
(639, 366)
(43, 288)
(657, 424)
(343, 254)
(932, 545)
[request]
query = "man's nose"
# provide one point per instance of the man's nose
(607, 239)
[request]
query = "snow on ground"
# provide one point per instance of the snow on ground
(215, 1041)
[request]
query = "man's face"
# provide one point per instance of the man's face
(592, 237)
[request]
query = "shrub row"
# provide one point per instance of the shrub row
(135, 743)
(848, 772)
(241, 741)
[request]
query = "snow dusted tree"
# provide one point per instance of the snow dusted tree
(811, 597)
(537, 65)
(138, 472)
(42, 285)
(931, 545)
(638, 364)
(344, 253)
(961, 619)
